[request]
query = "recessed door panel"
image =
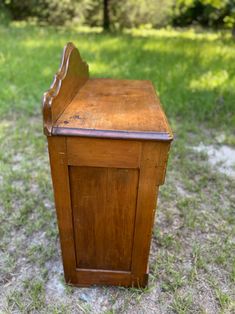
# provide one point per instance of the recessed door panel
(103, 209)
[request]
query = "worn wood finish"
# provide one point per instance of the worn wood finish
(72, 75)
(88, 277)
(108, 143)
(101, 108)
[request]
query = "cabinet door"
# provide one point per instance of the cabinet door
(103, 209)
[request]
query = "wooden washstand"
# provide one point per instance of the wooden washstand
(108, 143)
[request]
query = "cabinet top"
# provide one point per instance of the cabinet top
(114, 108)
(107, 108)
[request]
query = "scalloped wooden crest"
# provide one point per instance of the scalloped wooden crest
(72, 75)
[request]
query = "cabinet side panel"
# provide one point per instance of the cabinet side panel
(60, 179)
(147, 195)
(103, 205)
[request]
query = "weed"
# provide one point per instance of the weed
(182, 304)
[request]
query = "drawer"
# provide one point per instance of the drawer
(103, 152)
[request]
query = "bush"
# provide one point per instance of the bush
(131, 13)
(210, 13)
(123, 13)
(46, 11)
(5, 15)
(134, 13)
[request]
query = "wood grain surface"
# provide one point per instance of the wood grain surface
(72, 75)
(61, 185)
(97, 152)
(104, 204)
(108, 143)
(115, 109)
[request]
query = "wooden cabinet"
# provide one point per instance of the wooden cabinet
(108, 143)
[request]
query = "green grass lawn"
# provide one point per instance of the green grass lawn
(192, 266)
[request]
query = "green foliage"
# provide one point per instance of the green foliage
(92, 12)
(122, 13)
(134, 13)
(46, 11)
(5, 16)
(127, 14)
(204, 12)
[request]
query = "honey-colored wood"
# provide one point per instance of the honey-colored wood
(72, 75)
(103, 221)
(108, 143)
(115, 109)
(146, 205)
(88, 277)
(61, 185)
(123, 154)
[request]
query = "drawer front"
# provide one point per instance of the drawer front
(103, 153)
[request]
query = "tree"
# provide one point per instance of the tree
(106, 17)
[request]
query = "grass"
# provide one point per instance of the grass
(192, 266)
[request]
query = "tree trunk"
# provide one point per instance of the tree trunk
(106, 20)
